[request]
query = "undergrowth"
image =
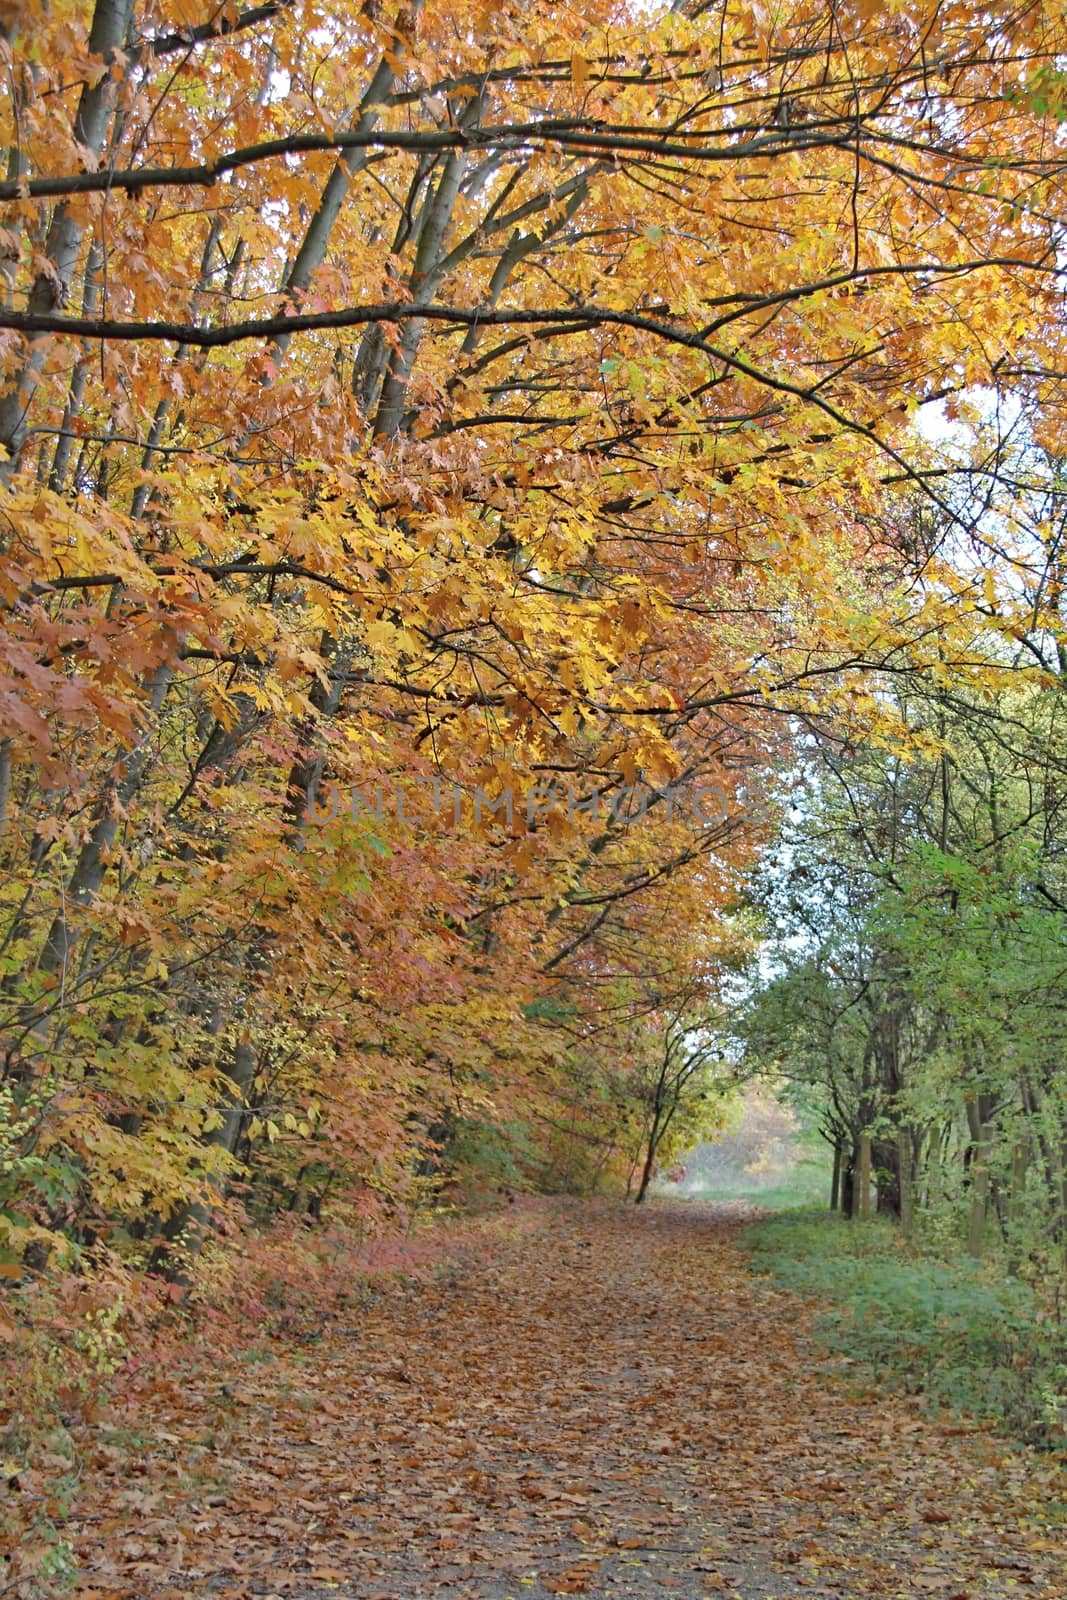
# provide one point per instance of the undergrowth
(961, 1334)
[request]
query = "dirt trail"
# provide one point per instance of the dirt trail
(611, 1405)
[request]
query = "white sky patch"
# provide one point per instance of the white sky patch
(989, 408)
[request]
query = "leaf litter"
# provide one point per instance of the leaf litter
(602, 1402)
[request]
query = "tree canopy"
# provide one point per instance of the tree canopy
(450, 462)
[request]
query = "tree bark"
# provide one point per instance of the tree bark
(650, 1159)
(92, 863)
(861, 1197)
(979, 1211)
(905, 1171)
(885, 1157)
(107, 35)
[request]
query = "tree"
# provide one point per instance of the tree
(405, 419)
(918, 928)
(673, 1088)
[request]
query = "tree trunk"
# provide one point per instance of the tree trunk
(107, 36)
(425, 279)
(861, 1197)
(650, 1160)
(92, 863)
(886, 1162)
(312, 252)
(905, 1169)
(976, 1222)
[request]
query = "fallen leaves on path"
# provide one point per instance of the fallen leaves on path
(607, 1404)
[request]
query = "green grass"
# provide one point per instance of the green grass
(778, 1197)
(961, 1334)
(805, 1184)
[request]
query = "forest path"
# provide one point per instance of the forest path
(610, 1404)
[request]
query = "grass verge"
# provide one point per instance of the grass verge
(961, 1334)
(768, 1197)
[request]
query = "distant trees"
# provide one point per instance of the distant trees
(918, 909)
(673, 1086)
